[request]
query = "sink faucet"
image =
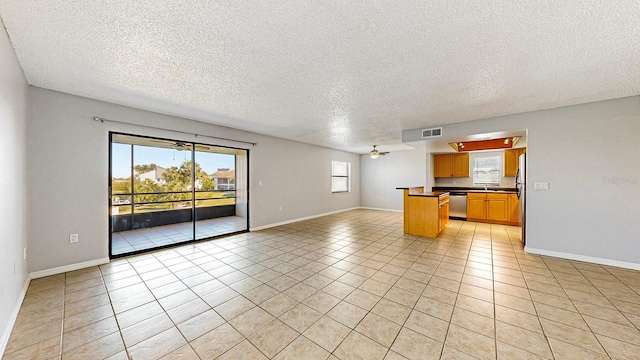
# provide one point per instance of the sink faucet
(485, 187)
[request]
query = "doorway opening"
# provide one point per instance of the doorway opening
(166, 192)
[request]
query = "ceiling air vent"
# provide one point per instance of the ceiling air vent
(429, 133)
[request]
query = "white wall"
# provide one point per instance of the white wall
(381, 177)
(68, 173)
(575, 148)
(13, 185)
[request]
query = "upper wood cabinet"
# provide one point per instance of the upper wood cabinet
(443, 166)
(460, 165)
(511, 160)
(451, 165)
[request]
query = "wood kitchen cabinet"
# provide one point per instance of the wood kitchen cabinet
(425, 214)
(497, 208)
(488, 207)
(451, 165)
(511, 160)
(514, 209)
(443, 166)
(476, 206)
(443, 212)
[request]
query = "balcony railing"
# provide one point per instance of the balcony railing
(141, 210)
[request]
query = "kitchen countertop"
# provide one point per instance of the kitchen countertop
(420, 191)
(475, 190)
(431, 194)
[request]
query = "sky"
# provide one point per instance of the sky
(166, 158)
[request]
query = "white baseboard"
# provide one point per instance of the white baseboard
(589, 259)
(380, 209)
(262, 227)
(13, 316)
(67, 268)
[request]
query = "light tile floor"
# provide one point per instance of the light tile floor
(124, 242)
(346, 286)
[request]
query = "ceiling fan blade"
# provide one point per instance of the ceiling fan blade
(383, 153)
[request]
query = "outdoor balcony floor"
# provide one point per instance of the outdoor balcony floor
(148, 238)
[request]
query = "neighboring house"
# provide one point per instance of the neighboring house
(156, 175)
(225, 179)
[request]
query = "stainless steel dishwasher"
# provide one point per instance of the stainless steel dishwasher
(458, 205)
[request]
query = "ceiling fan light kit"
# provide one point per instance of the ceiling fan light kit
(375, 153)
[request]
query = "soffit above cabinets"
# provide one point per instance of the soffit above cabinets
(488, 144)
(343, 74)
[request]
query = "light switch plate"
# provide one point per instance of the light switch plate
(541, 186)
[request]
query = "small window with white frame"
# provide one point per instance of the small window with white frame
(486, 170)
(340, 177)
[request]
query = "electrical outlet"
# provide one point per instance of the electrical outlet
(279, 208)
(24, 254)
(259, 183)
(73, 238)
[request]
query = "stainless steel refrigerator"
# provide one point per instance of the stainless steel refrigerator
(521, 186)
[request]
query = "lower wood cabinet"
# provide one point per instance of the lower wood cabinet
(443, 212)
(514, 209)
(425, 215)
(492, 208)
(476, 206)
(497, 208)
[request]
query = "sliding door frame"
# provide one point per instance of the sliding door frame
(193, 190)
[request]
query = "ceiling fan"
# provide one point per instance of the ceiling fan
(375, 153)
(180, 145)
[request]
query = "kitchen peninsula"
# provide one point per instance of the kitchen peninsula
(425, 213)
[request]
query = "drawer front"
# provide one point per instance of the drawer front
(497, 196)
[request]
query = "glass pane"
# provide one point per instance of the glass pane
(340, 168)
(162, 196)
(120, 209)
(154, 182)
(215, 192)
(120, 168)
(120, 200)
(159, 212)
(339, 184)
(487, 170)
(165, 206)
(158, 169)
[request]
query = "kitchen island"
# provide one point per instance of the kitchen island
(425, 213)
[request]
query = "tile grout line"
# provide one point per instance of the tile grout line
(577, 310)
(375, 245)
(553, 355)
(64, 294)
(444, 342)
(124, 344)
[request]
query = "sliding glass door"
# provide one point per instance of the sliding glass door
(167, 192)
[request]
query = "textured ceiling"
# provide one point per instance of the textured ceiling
(343, 74)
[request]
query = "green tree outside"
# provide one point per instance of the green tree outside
(176, 179)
